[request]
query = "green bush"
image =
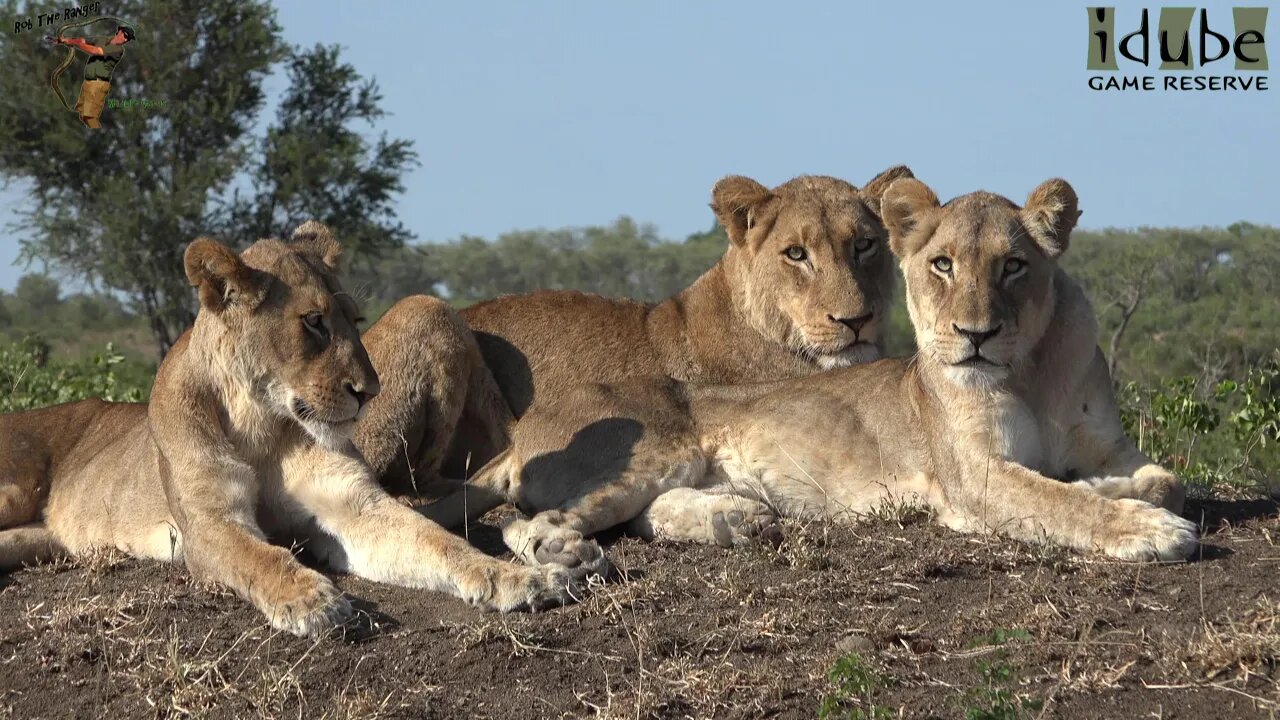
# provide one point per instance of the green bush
(30, 379)
(1226, 433)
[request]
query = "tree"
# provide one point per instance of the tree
(1198, 302)
(117, 206)
(316, 165)
(37, 293)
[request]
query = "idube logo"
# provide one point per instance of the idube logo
(1240, 45)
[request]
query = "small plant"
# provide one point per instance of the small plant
(996, 699)
(857, 685)
(1000, 636)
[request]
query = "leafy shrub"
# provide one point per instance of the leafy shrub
(1227, 433)
(29, 379)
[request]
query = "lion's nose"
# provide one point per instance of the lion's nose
(977, 337)
(854, 323)
(363, 392)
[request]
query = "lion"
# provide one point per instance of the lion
(247, 436)
(805, 285)
(1003, 422)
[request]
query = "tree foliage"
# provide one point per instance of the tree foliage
(315, 163)
(115, 207)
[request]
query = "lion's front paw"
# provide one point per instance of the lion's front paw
(538, 541)
(739, 521)
(551, 586)
(1140, 531)
(1159, 489)
(530, 587)
(580, 556)
(311, 606)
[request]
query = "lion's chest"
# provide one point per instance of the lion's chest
(1015, 433)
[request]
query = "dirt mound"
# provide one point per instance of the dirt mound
(888, 617)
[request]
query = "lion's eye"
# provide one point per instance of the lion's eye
(315, 323)
(863, 244)
(1013, 266)
(942, 264)
(796, 253)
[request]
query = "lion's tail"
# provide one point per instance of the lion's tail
(488, 489)
(28, 545)
(23, 539)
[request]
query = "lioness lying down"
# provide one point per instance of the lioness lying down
(805, 285)
(1004, 421)
(247, 436)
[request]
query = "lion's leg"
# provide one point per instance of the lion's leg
(17, 505)
(294, 598)
(215, 502)
(559, 536)
(1110, 463)
(693, 515)
(380, 539)
(1128, 473)
(431, 370)
(1004, 497)
(486, 490)
(28, 545)
(234, 552)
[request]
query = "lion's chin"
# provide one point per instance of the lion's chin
(327, 434)
(331, 434)
(976, 374)
(855, 354)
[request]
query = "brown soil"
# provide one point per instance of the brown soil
(931, 623)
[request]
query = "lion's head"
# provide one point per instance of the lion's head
(980, 272)
(809, 263)
(286, 329)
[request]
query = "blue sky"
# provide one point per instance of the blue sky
(546, 114)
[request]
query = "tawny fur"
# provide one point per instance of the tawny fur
(1014, 432)
(247, 436)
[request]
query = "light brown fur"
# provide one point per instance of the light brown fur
(992, 445)
(754, 316)
(247, 436)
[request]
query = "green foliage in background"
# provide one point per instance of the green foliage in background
(29, 379)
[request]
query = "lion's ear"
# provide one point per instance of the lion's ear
(734, 200)
(875, 187)
(1050, 215)
(903, 206)
(314, 239)
(221, 275)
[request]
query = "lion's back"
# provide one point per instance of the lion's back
(546, 341)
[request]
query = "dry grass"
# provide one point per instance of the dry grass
(685, 632)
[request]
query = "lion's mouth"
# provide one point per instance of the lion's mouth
(845, 354)
(305, 413)
(977, 360)
(837, 348)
